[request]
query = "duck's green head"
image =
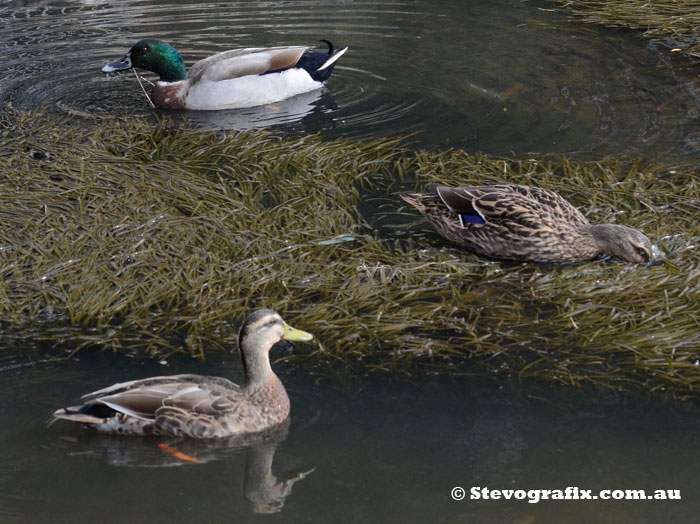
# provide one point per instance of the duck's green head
(152, 55)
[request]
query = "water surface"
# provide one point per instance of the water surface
(494, 77)
(373, 450)
(502, 76)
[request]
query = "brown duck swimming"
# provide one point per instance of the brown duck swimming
(198, 406)
(516, 222)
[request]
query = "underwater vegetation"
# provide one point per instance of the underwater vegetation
(671, 21)
(125, 235)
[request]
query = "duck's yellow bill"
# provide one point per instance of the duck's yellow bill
(295, 334)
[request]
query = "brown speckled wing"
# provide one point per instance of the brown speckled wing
(511, 206)
(559, 208)
(522, 204)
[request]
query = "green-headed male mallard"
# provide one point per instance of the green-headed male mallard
(231, 79)
(516, 222)
(198, 406)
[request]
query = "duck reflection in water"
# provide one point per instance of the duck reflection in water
(198, 417)
(265, 491)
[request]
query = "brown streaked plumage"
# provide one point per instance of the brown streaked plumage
(527, 223)
(198, 406)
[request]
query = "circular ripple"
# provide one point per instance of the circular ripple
(490, 76)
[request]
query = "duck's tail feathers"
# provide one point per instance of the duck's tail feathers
(320, 64)
(76, 416)
(414, 199)
(329, 44)
(90, 413)
(334, 56)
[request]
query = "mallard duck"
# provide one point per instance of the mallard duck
(516, 222)
(231, 79)
(198, 406)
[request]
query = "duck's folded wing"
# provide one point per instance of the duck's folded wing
(154, 382)
(492, 203)
(206, 398)
(244, 62)
(138, 398)
(141, 398)
(141, 403)
(458, 199)
(205, 411)
(557, 206)
(516, 208)
(531, 207)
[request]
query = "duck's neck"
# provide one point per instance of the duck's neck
(256, 364)
(173, 72)
(169, 65)
(605, 236)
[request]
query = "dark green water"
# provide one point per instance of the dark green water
(494, 77)
(502, 76)
(377, 451)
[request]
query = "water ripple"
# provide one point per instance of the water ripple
(490, 76)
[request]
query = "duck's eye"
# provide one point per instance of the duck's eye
(642, 253)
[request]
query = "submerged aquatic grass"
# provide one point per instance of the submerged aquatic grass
(668, 20)
(133, 237)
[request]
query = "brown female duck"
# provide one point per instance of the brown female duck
(198, 406)
(516, 222)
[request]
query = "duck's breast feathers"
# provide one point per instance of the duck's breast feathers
(243, 62)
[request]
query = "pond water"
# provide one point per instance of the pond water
(497, 77)
(373, 451)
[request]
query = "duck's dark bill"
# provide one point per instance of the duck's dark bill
(119, 65)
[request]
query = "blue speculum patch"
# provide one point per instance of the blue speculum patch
(465, 219)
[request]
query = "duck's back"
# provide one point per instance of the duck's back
(242, 62)
(508, 201)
